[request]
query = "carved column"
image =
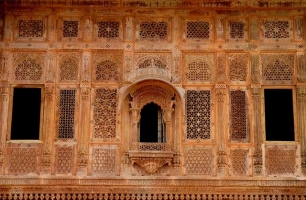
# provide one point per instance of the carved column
(4, 104)
(220, 93)
(135, 116)
(301, 124)
(48, 132)
(257, 130)
(168, 120)
(84, 132)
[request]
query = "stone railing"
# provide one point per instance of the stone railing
(144, 146)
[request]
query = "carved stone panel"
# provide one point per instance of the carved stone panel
(70, 29)
(240, 163)
(237, 30)
(199, 160)
(68, 67)
(104, 160)
(198, 68)
(151, 65)
(23, 158)
(28, 67)
(238, 67)
(30, 28)
(104, 113)
(64, 159)
(107, 67)
(277, 68)
(239, 120)
(158, 29)
(280, 159)
(198, 106)
(277, 30)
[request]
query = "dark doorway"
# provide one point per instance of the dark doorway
(151, 124)
(26, 114)
(279, 115)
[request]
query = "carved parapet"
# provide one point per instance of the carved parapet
(151, 162)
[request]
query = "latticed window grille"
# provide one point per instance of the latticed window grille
(108, 29)
(69, 70)
(30, 28)
(105, 105)
(198, 71)
(238, 115)
(107, 70)
(198, 114)
(153, 30)
(70, 28)
(276, 29)
(236, 30)
(198, 30)
(28, 70)
(66, 113)
(278, 71)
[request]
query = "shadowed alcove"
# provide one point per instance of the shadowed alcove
(151, 127)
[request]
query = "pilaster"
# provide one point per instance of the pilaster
(301, 124)
(257, 162)
(221, 151)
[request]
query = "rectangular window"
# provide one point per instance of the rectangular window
(279, 117)
(66, 113)
(26, 114)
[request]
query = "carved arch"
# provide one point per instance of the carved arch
(152, 156)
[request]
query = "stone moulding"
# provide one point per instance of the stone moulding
(151, 161)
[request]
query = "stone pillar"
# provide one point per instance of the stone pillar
(135, 116)
(4, 106)
(85, 128)
(301, 125)
(257, 162)
(48, 131)
(221, 151)
(168, 119)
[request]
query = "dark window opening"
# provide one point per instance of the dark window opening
(279, 115)
(152, 126)
(26, 114)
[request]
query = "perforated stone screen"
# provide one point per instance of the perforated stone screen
(66, 113)
(238, 115)
(70, 28)
(108, 29)
(153, 30)
(198, 114)
(198, 30)
(30, 28)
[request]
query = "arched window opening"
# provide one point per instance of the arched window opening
(151, 127)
